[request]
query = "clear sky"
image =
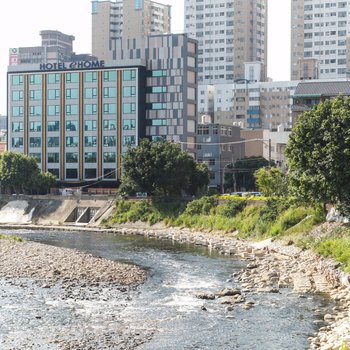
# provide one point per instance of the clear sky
(21, 22)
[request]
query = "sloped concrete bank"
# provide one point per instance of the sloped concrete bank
(271, 266)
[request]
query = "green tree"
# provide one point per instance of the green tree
(242, 172)
(271, 182)
(161, 168)
(318, 153)
(20, 174)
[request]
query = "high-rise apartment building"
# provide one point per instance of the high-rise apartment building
(230, 33)
(117, 19)
(319, 39)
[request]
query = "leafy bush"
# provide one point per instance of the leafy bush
(288, 219)
(231, 207)
(338, 248)
(201, 206)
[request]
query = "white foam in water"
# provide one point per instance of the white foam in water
(14, 213)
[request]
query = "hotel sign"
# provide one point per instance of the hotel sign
(72, 65)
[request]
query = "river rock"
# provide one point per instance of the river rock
(228, 292)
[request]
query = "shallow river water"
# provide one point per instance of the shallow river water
(165, 309)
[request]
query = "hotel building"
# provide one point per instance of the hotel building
(78, 118)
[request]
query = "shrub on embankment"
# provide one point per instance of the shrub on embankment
(275, 217)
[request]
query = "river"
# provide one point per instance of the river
(166, 308)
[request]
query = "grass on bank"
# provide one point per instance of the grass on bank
(281, 218)
(11, 237)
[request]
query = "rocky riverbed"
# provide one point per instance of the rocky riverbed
(273, 265)
(91, 289)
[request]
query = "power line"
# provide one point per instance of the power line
(220, 143)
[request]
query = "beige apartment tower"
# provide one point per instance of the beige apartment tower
(319, 39)
(230, 33)
(126, 19)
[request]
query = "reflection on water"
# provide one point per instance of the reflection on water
(167, 302)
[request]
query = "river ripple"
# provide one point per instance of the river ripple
(164, 313)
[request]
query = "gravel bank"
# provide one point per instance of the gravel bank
(80, 293)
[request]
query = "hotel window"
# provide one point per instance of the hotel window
(129, 74)
(90, 92)
(129, 108)
(17, 111)
(36, 156)
(90, 141)
(90, 173)
(72, 157)
(90, 109)
(53, 78)
(90, 157)
(129, 140)
(90, 77)
(35, 95)
(109, 92)
(72, 94)
(34, 79)
(109, 173)
(53, 126)
(53, 110)
(109, 141)
(110, 75)
(109, 124)
(129, 124)
(53, 158)
(17, 142)
(72, 78)
(90, 125)
(72, 141)
(109, 108)
(35, 126)
(17, 95)
(17, 79)
(35, 111)
(72, 109)
(54, 172)
(53, 141)
(71, 125)
(17, 126)
(53, 94)
(129, 91)
(35, 141)
(109, 157)
(71, 173)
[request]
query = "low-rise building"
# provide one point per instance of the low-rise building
(218, 146)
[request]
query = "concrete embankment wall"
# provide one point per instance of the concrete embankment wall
(51, 210)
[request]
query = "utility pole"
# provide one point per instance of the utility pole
(269, 152)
